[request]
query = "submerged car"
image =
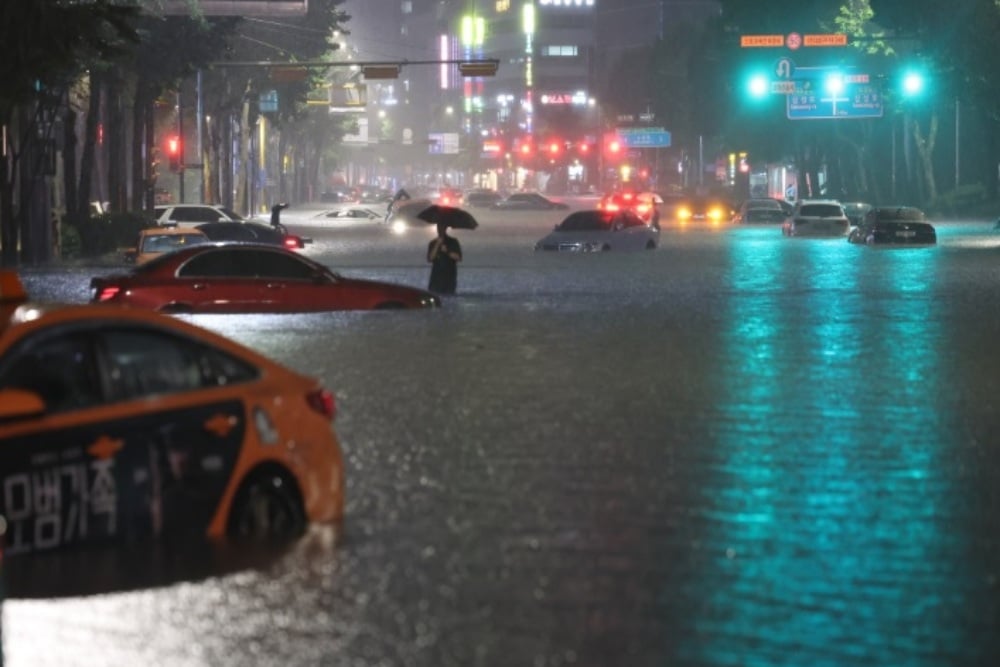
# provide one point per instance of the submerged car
(701, 211)
(252, 232)
(599, 231)
(529, 201)
(194, 214)
(817, 218)
(155, 241)
(249, 278)
(894, 225)
(119, 425)
(856, 211)
(762, 209)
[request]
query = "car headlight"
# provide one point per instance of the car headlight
(398, 227)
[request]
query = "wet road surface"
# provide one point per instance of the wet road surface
(737, 449)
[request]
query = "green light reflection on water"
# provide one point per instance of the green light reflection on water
(827, 541)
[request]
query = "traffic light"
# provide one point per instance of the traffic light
(613, 148)
(913, 83)
(758, 85)
(174, 151)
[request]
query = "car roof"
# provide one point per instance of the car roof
(170, 230)
(31, 314)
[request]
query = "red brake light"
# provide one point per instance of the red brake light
(108, 293)
(612, 206)
(292, 242)
(323, 402)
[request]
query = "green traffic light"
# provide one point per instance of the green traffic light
(758, 85)
(913, 83)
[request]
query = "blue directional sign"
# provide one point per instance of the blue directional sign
(653, 137)
(812, 99)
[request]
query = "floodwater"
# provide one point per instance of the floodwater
(737, 449)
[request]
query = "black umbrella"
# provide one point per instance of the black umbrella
(448, 216)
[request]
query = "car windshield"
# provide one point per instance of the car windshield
(168, 242)
(585, 221)
(900, 214)
(821, 211)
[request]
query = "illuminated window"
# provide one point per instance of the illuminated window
(503, 6)
(407, 7)
(560, 51)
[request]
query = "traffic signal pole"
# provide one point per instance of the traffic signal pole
(180, 148)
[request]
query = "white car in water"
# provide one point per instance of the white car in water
(600, 231)
(817, 217)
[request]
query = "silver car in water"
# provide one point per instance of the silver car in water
(600, 231)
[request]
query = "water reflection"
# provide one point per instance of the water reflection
(829, 512)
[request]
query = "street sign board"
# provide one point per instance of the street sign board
(783, 87)
(811, 101)
(831, 39)
(761, 41)
(653, 137)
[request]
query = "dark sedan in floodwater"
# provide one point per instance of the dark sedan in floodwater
(530, 201)
(894, 225)
(249, 278)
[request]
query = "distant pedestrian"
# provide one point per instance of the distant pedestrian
(276, 215)
(444, 253)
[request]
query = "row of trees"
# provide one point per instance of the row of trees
(87, 78)
(693, 81)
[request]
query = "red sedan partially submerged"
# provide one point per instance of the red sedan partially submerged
(242, 278)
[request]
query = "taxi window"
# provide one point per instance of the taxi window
(147, 362)
(60, 369)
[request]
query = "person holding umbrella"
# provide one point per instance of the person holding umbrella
(444, 253)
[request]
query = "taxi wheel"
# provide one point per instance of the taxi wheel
(267, 507)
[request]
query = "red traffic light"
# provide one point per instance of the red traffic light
(174, 149)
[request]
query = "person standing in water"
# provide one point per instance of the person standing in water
(444, 253)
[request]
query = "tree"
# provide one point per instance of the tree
(44, 45)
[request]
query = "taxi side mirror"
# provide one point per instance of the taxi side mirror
(20, 404)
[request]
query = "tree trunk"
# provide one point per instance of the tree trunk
(8, 225)
(925, 150)
(69, 160)
(87, 160)
(143, 180)
(243, 183)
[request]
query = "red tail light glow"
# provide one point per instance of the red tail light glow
(323, 402)
(293, 242)
(108, 293)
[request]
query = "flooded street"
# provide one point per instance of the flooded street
(736, 449)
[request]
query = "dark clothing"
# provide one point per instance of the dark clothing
(276, 214)
(444, 268)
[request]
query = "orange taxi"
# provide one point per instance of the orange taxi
(121, 424)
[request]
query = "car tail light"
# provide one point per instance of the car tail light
(293, 242)
(642, 209)
(323, 402)
(612, 206)
(108, 292)
(684, 213)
